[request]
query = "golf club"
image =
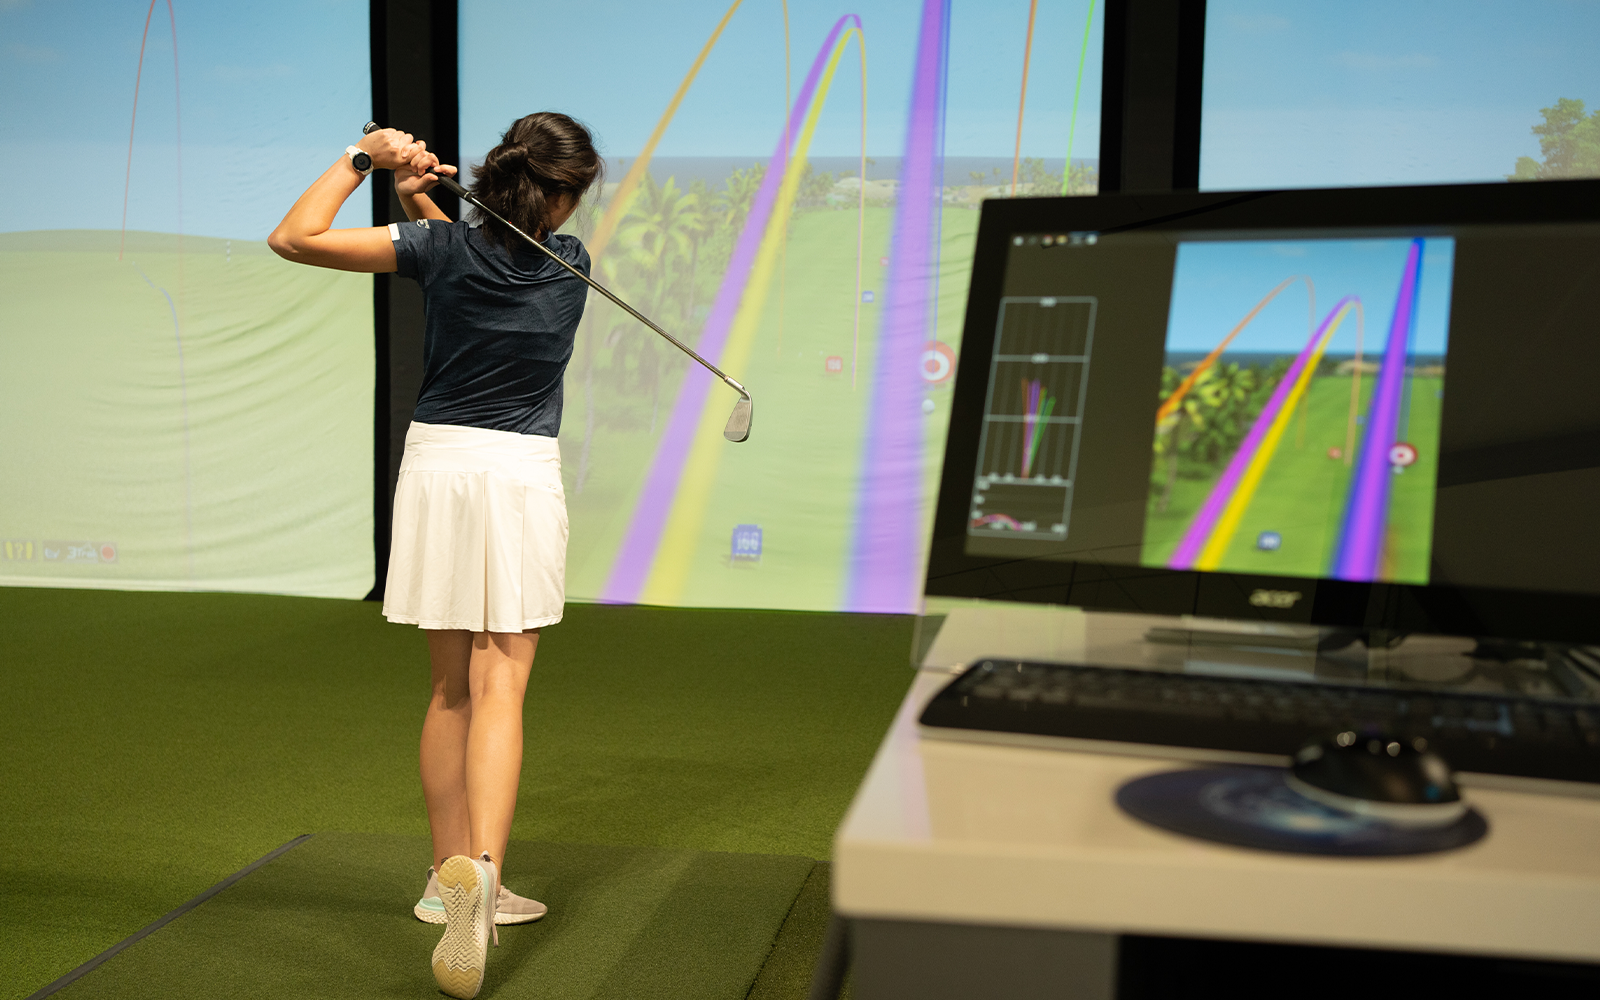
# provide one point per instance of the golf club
(738, 426)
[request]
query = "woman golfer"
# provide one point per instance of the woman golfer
(478, 556)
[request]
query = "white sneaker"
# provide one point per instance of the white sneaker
(509, 908)
(430, 908)
(467, 889)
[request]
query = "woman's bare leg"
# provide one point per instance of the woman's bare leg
(498, 679)
(444, 742)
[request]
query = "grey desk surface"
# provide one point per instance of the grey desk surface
(965, 833)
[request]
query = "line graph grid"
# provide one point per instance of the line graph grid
(1033, 416)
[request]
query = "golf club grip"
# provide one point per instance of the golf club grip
(449, 184)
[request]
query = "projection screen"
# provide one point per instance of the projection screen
(181, 410)
(793, 189)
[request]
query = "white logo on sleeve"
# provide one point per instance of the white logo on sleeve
(423, 223)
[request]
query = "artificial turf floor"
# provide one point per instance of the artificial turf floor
(160, 742)
(331, 918)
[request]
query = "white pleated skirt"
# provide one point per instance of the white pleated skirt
(480, 531)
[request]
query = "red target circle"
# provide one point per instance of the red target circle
(1402, 455)
(938, 362)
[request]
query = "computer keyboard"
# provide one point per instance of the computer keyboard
(1486, 733)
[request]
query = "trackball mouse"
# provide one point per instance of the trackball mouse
(1382, 776)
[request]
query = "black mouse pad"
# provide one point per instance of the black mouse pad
(1254, 807)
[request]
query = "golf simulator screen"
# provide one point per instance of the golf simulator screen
(1252, 406)
(794, 191)
(181, 409)
(1288, 438)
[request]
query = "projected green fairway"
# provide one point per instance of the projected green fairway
(181, 409)
(1301, 493)
(807, 419)
(174, 420)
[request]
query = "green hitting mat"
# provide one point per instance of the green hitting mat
(172, 739)
(331, 918)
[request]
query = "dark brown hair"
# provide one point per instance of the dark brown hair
(541, 156)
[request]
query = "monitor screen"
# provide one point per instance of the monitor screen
(1340, 407)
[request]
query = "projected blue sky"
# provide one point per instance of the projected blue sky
(1304, 93)
(1375, 92)
(1217, 284)
(270, 94)
(616, 63)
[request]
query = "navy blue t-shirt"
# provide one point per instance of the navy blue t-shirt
(499, 328)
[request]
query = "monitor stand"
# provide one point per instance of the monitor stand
(1383, 656)
(950, 638)
(1191, 631)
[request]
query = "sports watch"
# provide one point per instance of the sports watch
(359, 159)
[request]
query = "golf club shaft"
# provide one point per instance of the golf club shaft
(456, 189)
(450, 184)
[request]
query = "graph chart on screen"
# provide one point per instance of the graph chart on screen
(1033, 417)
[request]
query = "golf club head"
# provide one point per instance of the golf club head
(738, 428)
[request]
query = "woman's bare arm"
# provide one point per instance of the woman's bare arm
(304, 237)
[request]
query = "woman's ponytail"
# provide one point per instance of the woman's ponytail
(541, 156)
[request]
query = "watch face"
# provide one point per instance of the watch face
(362, 161)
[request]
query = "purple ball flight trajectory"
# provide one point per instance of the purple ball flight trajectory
(631, 567)
(1359, 554)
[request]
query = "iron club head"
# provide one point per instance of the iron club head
(738, 428)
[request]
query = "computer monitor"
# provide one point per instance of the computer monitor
(1376, 409)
